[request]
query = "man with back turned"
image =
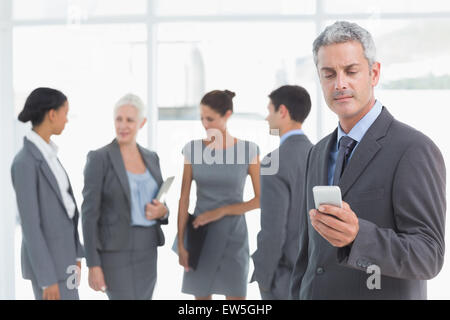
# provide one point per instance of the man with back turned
(281, 203)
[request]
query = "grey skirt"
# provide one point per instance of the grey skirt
(224, 260)
(131, 274)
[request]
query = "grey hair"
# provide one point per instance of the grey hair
(344, 31)
(135, 101)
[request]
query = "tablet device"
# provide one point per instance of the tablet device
(164, 188)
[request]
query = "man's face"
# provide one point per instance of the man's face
(346, 79)
(273, 118)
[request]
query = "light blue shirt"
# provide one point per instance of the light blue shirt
(290, 133)
(356, 133)
(143, 188)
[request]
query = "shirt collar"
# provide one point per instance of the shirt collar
(48, 149)
(290, 133)
(361, 127)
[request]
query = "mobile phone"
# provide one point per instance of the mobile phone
(330, 195)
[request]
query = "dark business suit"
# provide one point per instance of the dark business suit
(50, 240)
(278, 240)
(124, 252)
(395, 184)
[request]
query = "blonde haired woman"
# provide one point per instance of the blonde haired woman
(121, 219)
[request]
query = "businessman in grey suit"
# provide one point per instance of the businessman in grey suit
(278, 239)
(121, 219)
(51, 250)
(388, 238)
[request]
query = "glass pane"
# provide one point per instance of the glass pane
(94, 66)
(385, 6)
(206, 7)
(413, 56)
(249, 58)
(413, 53)
(194, 58)
(75, 10)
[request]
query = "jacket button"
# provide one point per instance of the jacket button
(320, 270)
(363, 263)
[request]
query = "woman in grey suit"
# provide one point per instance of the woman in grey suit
(51, 250)
(219, 165)
(121, 219)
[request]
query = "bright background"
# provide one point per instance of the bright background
(171, 52)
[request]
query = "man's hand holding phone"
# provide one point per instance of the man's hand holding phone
(338, 232)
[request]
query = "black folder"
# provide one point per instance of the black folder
(195, 238)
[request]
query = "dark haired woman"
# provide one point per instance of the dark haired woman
(51, 250)
(219, 165)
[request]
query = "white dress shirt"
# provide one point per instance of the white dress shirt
(49, 151)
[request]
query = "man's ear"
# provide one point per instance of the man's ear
(375, 73)
(283, 110)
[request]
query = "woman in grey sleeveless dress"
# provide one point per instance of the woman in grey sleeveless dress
(219, 166)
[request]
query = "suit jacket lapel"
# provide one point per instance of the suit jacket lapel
(45, 169)
(70, 189)
(325, 157)
(119, 168)
(366, 150)
(150, 163)
(52, 181)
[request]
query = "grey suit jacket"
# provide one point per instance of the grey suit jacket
(50, 240)
(106, 208)
(281, 205)
(395, 184)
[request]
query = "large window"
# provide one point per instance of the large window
(171, 52)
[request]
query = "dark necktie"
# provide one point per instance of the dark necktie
(346, 145)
